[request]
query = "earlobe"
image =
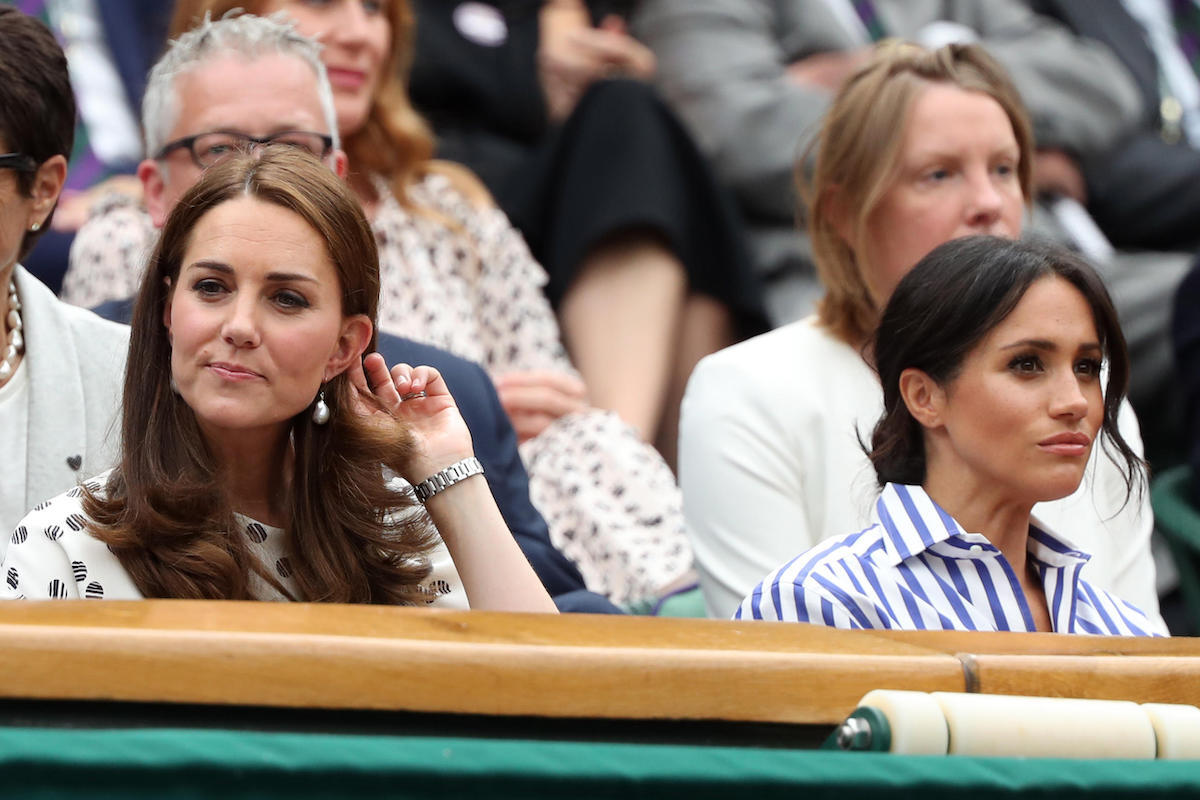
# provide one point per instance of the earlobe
(47, 185)
(923, 396)
(150, 174)
(340, 163)
(353, 341)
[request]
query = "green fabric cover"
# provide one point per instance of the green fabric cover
(1179, 523)
(176, 763)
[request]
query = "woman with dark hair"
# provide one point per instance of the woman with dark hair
(60, 366)
(991, 354)
(919, 147)
(253, 448)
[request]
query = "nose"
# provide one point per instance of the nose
(240, 327)
(1069, 400)
(349, 23)
(984, 201)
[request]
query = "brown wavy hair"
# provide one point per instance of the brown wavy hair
(858, 151)
(164, 513)
(395, 141)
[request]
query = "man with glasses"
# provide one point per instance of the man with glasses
(248, 82)
(244, 83)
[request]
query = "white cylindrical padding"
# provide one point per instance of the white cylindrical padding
(1177, 728)
(917, 723)
(1048, 727)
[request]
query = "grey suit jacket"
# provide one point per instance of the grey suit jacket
(722, 64)
(76, 364)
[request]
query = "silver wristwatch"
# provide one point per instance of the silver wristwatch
(441, 481)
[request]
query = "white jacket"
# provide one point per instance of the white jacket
(76, 363)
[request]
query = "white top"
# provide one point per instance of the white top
(770, 465)
(916, 568)
(52, 556)
(14, 411)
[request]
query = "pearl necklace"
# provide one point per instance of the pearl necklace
(16, 341)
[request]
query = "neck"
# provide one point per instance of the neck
(982, 509)
(254, 467)
(7, 274)
(368, 198)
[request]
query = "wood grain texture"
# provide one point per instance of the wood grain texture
(582, 666)
(1142, 679)
(356, 657)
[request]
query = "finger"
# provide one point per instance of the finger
(565, 382)
(427, 379)
(357, 378)
(538, 399)
(381, 383)
(401, 378)
(530, 426)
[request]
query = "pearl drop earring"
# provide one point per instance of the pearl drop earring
(321, 413)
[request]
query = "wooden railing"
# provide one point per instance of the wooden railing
(571, 666)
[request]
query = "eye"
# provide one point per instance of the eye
(374, 6)
(1005, 169)
(936, 175)
(1088, 367)
(290, 299)
(208, 287)
(1026, 364)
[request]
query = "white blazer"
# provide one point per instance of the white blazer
(76, 363)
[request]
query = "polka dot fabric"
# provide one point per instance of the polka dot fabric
(51, 556)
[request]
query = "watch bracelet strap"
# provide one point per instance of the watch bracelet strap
(444, 479)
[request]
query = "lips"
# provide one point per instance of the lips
(233, 372)
(345, 78)
(1067, 444)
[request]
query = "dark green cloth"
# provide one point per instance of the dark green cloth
(174, 763)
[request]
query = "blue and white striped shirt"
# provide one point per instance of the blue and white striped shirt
(917, 569)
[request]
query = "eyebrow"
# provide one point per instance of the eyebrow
(274, 277)
(1046, 344)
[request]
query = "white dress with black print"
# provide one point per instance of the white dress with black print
(52, 556)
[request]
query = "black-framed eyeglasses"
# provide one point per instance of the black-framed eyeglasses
(207, 149)
(18, 162)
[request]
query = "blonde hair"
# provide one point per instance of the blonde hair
(858, 151)
(395, 142)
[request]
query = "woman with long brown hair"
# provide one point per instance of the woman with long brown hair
(255, 438)
(456, 274)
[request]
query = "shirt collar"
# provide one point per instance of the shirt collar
(912, 523)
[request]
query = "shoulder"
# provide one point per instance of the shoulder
(90, 331)
(1108, 614)
(49, 552)
(115, 219)
(789, 369)
(818, 575)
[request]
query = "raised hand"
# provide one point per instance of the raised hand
(535, 398)
(415, 398)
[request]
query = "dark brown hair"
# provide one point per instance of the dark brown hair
(946, 305)
(858, 153)
(37, 106)
(164, 513)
